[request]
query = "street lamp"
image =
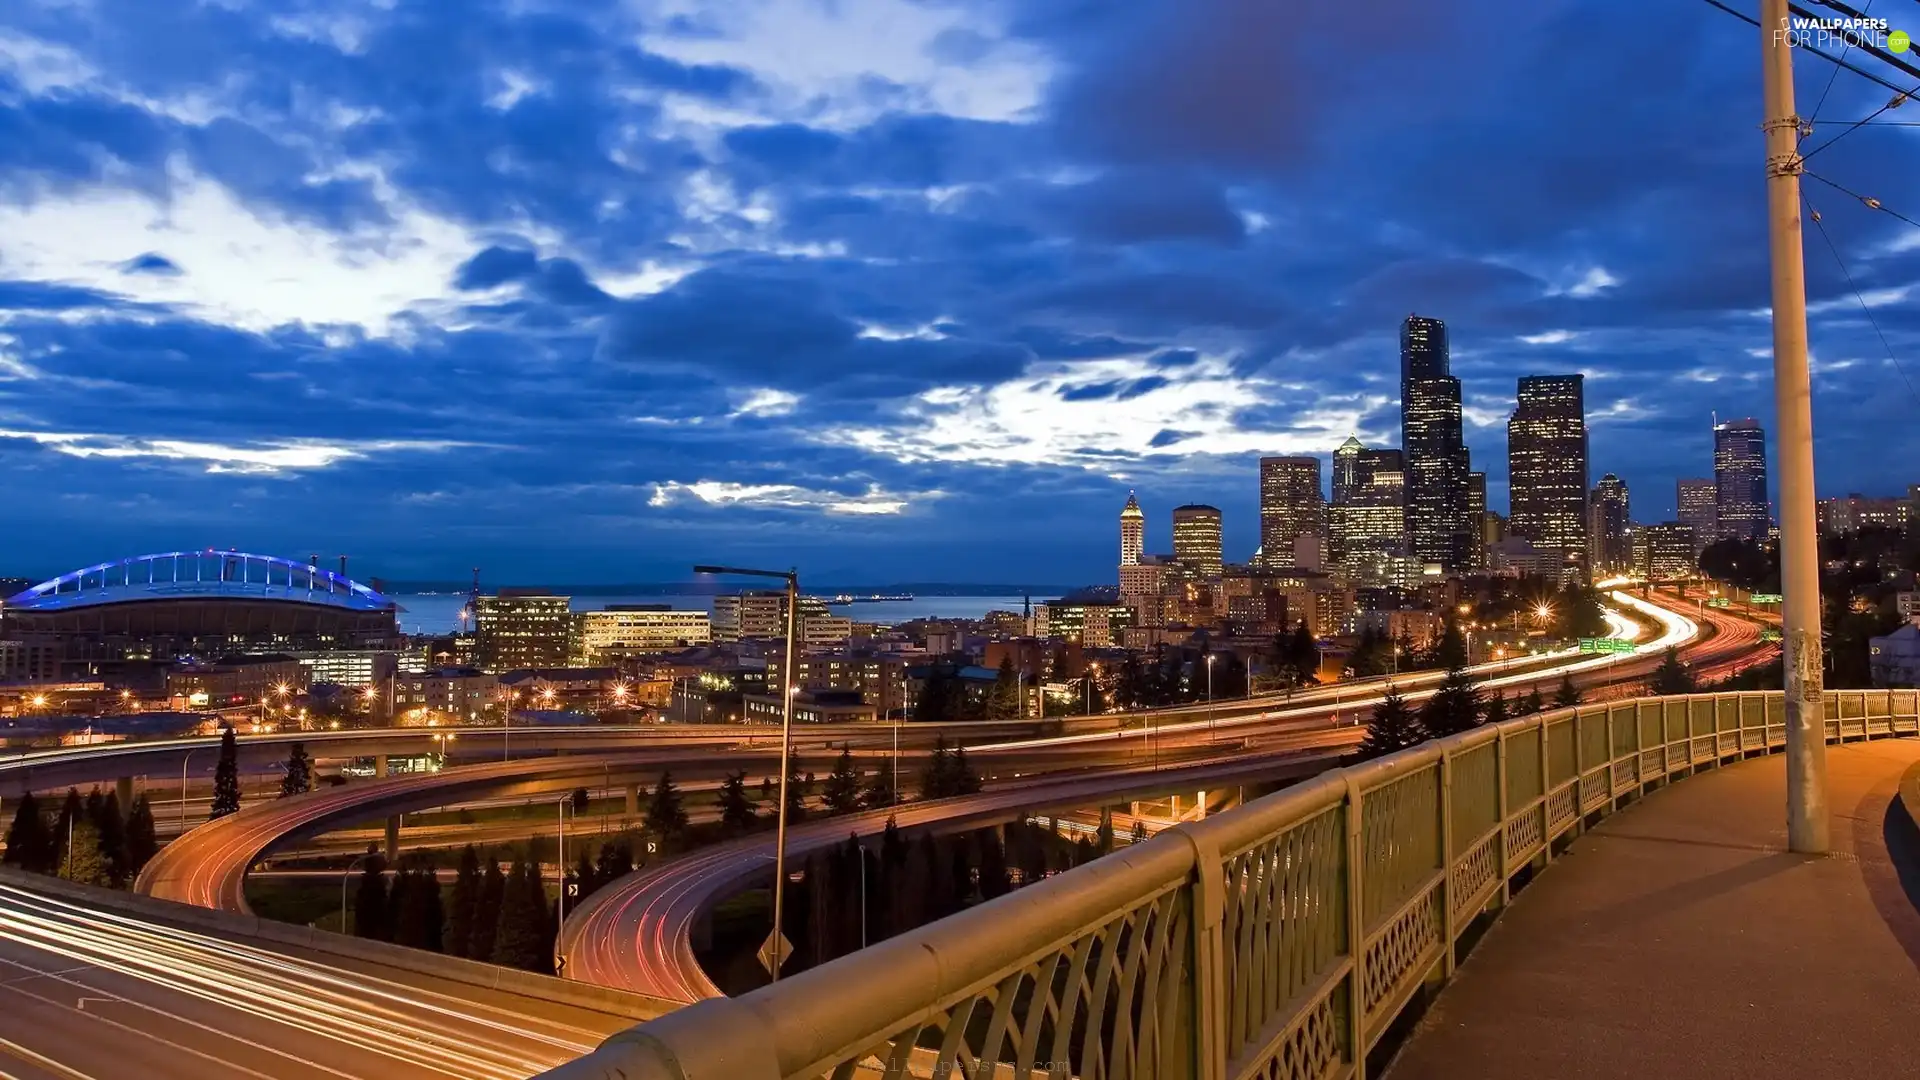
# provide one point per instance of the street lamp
(1209, 695)
(506, 722)
(792, 578)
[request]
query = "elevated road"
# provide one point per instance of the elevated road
(637, 934)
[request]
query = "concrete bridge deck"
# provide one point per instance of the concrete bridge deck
(1679, 938)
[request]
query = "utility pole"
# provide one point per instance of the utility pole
(1807, 825)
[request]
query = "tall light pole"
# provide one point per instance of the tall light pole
(345, 928)
(1793, 403)
(792, 578)
(183, 791)
(1209, 695)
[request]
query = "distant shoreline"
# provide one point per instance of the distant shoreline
(915, 589)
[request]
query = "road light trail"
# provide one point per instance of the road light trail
(165, 995)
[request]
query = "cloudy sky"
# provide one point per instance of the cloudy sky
(584, 290)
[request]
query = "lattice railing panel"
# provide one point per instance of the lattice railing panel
(1114, 1003)
(1562, 805)
(1526, 832)
(1475, 874)
(1314, 1048)
(1594, 789)
(1401, 952)
(1524, 780)
(1562, 764)
(1399, 841)
(1473, 787)
(1285, 921)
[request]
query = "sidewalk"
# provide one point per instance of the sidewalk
(1679, 938)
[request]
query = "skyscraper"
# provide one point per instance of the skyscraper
(1547, 463)
(1436, 453)
(1373, 520)
(1196, 539)
(1291, 506)
(1476, 518)
(1697, 500)
(1133, 532)
(1609, 529)
(1346, 465)
(1740, 480)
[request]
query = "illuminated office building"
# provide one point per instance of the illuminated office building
(1547, 463)
(1291, 506)
(1740, 480)
(1196, 540)
(1436, 453)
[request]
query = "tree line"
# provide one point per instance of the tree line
(89, 840)
(1456, 706)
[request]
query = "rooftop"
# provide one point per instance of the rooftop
(197, 575)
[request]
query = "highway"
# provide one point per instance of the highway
(636, 934)
(95, 996)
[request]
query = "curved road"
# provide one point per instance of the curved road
(636, 934)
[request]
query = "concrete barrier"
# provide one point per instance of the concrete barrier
(307, 939)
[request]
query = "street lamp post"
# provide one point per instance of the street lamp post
(183, 790)
(792, 578)
(1209, 695)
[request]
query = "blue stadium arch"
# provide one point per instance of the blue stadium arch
(187, 575)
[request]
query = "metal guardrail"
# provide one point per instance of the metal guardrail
(1278, 941)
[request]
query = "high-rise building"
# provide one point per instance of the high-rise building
(1666, 551)
(1696, 500)
(1436, 452)
(1476, 516)
(1133, 532)
(522, 628)
(1609, 529)
(1291, 507)
(1346, 467)
(1547, 463)
(1740, 480)
(1196, 539)
(1373, 522)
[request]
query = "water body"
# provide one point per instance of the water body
(439, 613)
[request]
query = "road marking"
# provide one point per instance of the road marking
(82, 1003)
(38, 1061)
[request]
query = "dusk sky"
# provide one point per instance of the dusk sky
(893, 290)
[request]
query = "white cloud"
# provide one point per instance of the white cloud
(40, 66)
(1026, 421)
(1871, 298)
(1549, 337)
(817, 54)
(240, 266)
(288, 455)
(1592, 283)
(875, 501)
(765, 402)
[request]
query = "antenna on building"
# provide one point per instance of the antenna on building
(343, 570)
(471, 617)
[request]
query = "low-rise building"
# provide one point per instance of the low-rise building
(619, 631)
(237, 680)
(1894, 660)
(561, 688)
(461, 693)
(881, 681)
(1839, 516)
(1092, 625)
(350, 667)
(812, 707)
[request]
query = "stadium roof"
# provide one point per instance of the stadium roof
(198, 575)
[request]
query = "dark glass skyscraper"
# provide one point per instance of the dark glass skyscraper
(1740, 480)
(1436, 451)
(1609, 529)
(1547, 463)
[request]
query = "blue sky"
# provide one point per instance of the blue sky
(888, 289)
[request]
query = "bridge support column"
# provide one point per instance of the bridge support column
(633, 800)
(123, 793)
(393, 839)
(379, 764)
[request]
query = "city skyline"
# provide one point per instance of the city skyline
(885, 290)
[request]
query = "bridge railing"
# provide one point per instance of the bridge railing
(1273, 942)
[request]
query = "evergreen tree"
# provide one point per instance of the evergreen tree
(30, 844)
(937, 781)
(1453, 708)
(83, 862)
(299, 778)
(965, 780)
(422, 917)
(518, 941)
(883, 790)
(1673, 676)
(580, 801)
(940, 886)
(842, 790)
(1496, 708)
(1393, 727)
(1451, 650)
(370, 901)
(585, 877)
(1568, 695)
(111, 828)
(1103, 836)
(466, 896)
(1305, 655)
(1530, 704)
(142, 844)
(486, 912)
(666, 818)
(1371, 656)
(72, 811)
(226, 777)
(1003, 703)
(1139, 833)
(961, 873)
(736, 810)
(614, 863)
(935, 704)
(798, 788)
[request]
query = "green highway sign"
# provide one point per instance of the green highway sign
(1719, 601)
(1770, 634)
(1765, 598)
(1605, 645)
